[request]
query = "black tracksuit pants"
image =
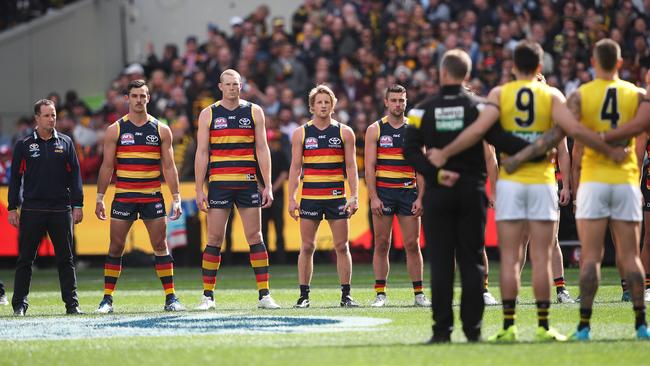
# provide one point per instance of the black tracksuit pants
(454, 225)
(32, 229)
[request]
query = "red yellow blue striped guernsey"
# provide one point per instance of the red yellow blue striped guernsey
(138, 161)
(323, 159)
(391, 170)
(233, 164)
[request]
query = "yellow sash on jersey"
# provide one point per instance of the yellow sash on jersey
(526, 112)
(606, 104)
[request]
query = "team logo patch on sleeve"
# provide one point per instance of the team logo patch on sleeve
(311, 143)
(127, 139)
(386, 141)
(220, 123)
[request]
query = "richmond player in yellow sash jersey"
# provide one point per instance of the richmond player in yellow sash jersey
(528, 197)
(609, 192)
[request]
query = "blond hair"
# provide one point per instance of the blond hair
(321, 89)
(230, 72)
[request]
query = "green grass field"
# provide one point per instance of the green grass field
(398, 342)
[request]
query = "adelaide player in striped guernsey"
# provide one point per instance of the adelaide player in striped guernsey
(137, 146)
(392, 189)
(324, 151)
(231, 144)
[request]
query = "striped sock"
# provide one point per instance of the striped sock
(165, 271)
(542, 313)
(509, 313)
(623, 284)
(380, 287)
(112, 270)
(209, 267)
(647, 280)
(417, 288)
(486, 283)
(585, 318)
(639, 316)
(560, 285)
(260, 263)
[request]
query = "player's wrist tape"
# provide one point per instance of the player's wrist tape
(354, 199)
(176, 197)
(439, 176)
(100, 197)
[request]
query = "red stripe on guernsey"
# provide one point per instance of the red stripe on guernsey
(23, 167)
(139, 167)
(138, 200)
(114, 267)
(262, 277)
(322, 152)
(389, 150)
(389, 185)
(164, 266)
(396, 168)
(138, 148)
(233, 170)
(258, 256)
(212, 258)
(109, 286)
(231, 152)
(232, 132)
(167, 286)
(137, 185)
(319, 191)
(210, 279)
(312, 171)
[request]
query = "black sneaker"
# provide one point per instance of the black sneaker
(73, 310)
(348, 302)
(302, 303)
(20, 310)
(438, 339)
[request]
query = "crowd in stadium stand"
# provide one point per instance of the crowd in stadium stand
(359, 47)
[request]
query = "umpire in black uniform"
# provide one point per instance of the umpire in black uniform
(45, 166)
(455, 201)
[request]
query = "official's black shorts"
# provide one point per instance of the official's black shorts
(226, 197)
(397, 201)
(333, 209)
(130, 211)
(646, 192)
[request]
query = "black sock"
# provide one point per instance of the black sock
(542, 313)
(509, 313)
(585, 318)
(304, 291)
(639, 316)
(345, 290)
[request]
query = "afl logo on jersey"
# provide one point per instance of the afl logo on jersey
(311, 143)
(220, 122)
(386, 141)
(244, 122)
(152, 139)
(127, 139)
(335, 142)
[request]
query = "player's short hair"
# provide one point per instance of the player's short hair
(138, 83)
(230, 72)
(607, 52)
(528, 56)
(321, 89)
(457, 64)
(42, 102)
(395, 88)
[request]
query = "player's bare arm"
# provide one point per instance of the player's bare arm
(417, 209)
(492, 168)
(564, 162)
(294, 170)
(106, 170)
(351, 169)
(169, 170)
(370, 163)
(471, 135)
(202, 158)
(263, 155)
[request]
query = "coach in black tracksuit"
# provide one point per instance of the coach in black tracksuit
(45, 166)
(454, 216)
